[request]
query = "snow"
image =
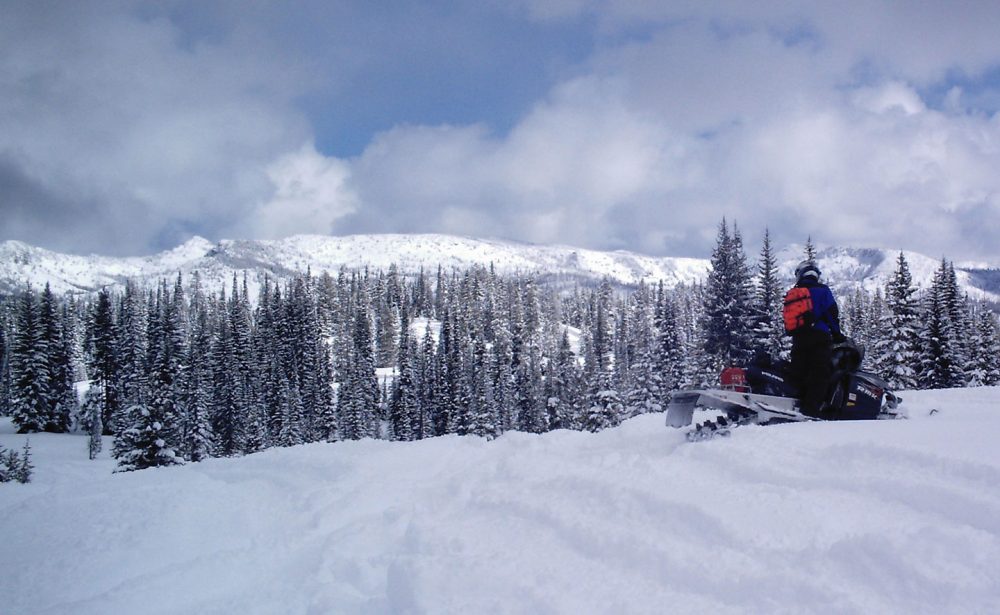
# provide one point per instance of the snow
(21, 263)
(866, 517)
(844, 268)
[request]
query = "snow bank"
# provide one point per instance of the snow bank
(887, 517)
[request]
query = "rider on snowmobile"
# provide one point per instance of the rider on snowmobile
(813, 338)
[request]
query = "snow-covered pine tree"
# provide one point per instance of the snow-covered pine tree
(198, 436)
(14, 466)
(132, 349)
(249, 413)
(484, 413)
(810, 249)
(644, 385)
(984, 346)
(404, 406)
(958, 307)
(386, 328)
(163, 412)
(5, 406)
(701, 369)
(601, 333)
(728, 301)
(426, 380)
(359, 400)
(61, 403)
(504, 392)
(31, 390)
(668, 357)
(897, 352)
(324, 426)
(103, 365)
(990, 350)
(292, 431)
(768, 329)
(144, 444)
(532, 414)
(90, 421)
(940, 360)
(605, 407)
(562, 387)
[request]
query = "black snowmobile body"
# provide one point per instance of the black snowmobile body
(764, 393)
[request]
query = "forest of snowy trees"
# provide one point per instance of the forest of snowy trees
(177, 374)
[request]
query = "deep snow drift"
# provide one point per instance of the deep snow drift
(887, 516)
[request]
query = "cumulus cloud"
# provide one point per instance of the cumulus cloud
(140, 139)
(845, 121)
(310, 195)
(665, 135)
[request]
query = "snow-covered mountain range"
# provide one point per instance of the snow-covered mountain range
(844, 268)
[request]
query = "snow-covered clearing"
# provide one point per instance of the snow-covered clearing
(876, 517)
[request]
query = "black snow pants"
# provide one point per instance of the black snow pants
(811, 368)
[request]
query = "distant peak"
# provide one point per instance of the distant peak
(197, 242)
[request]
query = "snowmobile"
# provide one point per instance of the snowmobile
(764, 393)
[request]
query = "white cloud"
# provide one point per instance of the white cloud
(136, 136)
(664, 136)
(310, 195)
(807, 118)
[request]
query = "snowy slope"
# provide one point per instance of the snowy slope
(21, 264)
(844, 268)
(877, 517)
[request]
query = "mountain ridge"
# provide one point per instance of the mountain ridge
(845, 269)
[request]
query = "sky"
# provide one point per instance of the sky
(128, 127)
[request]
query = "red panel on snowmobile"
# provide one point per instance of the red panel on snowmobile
(735, 379)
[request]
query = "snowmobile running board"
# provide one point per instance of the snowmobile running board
(767, 408)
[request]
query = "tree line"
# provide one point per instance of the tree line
(179, 374)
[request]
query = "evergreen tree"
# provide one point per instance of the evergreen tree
(404, 407)
(768, 327)
(984, 345)
(485, 418)
(605, 407)
(5, 404)
(91, 422)
(897, 353)
(940, 359)
(563, 387)
(427, 384)
(104, 366)
(727, 295)
(504, 393)
(166, 395)
(532, 415)
(144, 444)
(14, 466)
(358, 403)
(131, 350)
(31, 390)
(668, 358)
(61, 403)
(291, 431)
(643, 386)
(810, 249)
(198, 435)
(958, 309)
